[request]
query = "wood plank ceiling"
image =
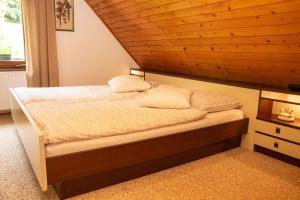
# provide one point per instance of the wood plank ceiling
(256, 41)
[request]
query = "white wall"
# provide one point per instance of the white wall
(91, 54)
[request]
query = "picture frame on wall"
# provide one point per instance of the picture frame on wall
(64, 15)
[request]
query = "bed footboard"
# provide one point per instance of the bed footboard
(31, 137)
(76, 173)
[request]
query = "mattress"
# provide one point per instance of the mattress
(89, 144)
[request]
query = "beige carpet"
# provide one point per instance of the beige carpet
(235, 174)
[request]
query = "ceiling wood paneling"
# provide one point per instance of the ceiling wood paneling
(256, 41)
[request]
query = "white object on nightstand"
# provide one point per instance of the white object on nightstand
(286, 115)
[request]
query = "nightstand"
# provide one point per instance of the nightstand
(274, 137)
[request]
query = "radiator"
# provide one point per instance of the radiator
(9, 80)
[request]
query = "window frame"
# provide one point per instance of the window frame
(12, 65)
(15, 65)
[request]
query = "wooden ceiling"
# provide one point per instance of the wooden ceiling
(256, 41)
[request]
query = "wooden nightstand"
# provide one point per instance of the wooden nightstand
(274, 137)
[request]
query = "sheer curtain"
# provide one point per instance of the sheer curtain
(40, 43)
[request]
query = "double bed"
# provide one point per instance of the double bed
(151, 140)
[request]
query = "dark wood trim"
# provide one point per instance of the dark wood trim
(111, 162)
(266, 134)
(277, 155)
(5, 113)
(265, 107)
(205, 79)
(226, 82)
(12, 65)
(281, 101)
(86, 184)
(258, 107)
(75, 165)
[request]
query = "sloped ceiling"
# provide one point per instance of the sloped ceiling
(255, 41)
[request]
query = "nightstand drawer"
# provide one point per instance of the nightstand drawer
(278, 145)
(278, 131)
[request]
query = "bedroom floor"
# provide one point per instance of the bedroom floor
(235, 174)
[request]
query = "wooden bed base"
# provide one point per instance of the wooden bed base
(67, 189)
(78, 173)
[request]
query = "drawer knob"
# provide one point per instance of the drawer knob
(278, 130)
(276, 145)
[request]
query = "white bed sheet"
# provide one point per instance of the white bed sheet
(84, 145)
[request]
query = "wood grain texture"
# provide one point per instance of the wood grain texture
(81, 164)
(86, 184)
(255, 41)
(77, 173)
(12, 65)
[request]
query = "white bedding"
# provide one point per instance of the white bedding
(84, 145)
(34, 95)
(64, 121)
(68, 114)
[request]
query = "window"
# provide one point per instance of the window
(11, 35)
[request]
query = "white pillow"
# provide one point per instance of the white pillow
(212, 102)
(167, 96)
(128, 83)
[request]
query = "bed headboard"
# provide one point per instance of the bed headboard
(247, 97)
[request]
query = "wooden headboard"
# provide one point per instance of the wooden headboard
(256, 41)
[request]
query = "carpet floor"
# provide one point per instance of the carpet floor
(234, 174)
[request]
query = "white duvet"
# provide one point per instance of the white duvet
(71, 120)
(33, 95)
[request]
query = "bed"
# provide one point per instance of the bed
(79, 166)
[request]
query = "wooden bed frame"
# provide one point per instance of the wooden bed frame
(81, 172)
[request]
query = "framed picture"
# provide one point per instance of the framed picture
(64, 15)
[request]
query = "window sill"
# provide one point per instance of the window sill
(11, 65)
